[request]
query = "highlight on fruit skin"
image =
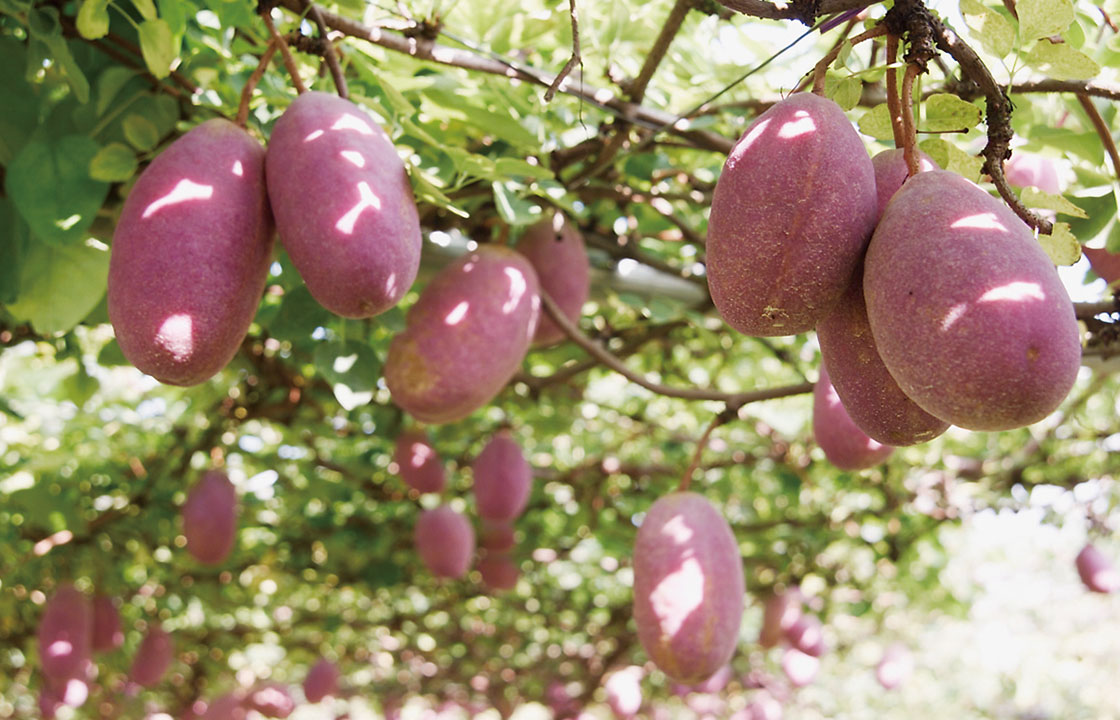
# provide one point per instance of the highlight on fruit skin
(65, 633)
(845, 445)
(967, 311)
(445, 541)
(807, 635)
(210, 518)
(688, 587)
(418, 463)
(555, 248)
(791, 215)
(465, 337)
(153, 657)
(800, 668)
(1097, 571)
(344, 206)
(503, 479)
(624, 691)
(190, 255)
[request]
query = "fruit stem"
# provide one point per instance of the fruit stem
(894, 105)
(822, 66)
(289, 61)
(329, 53)
(909, 127)
(251, 84)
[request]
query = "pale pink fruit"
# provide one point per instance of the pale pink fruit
(555, 248)
(800, 668)
(420, 465)
(445, 541)
(1024, 169)
(807, 635)
(66, 633)
(1098, 574)
(845, 445)
(502, 479)
(210, 518)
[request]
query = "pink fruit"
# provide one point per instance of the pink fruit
(790, 218)
(807, 636)
(762, 707)
(153, 657)
(321, 681)
(227, 707)
(1096, 571)
(497, 537)
(780, 612)
(688, 587)
(968, 313)
(107, 634)
(56, 693)
(499, 572)
(420, 465)
(343, 204)
(1027, 170)
(714, 684)
(624, 691)
(190, 255)
(210, 518)
(800, 668)
(466, 335)
(445, 540)
(891, 172)
(270, 699)
(502, 479)
(895, 666)
(845, 445)
(65, 633)
(555, 248)
(1104, 263)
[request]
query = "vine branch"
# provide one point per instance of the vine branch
(330, 55)
(574, 60)
(254, 79)
(285, 53)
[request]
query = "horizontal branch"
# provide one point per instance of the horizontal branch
(792, 10)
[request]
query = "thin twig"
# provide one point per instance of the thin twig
(1103, 131)
(329, 53)
(289, 61)
(572, 61)
(251, 83)
(791, 10)
(894, 104)
(721, 418)
(822, 66)
(909, 127)
(608, 359)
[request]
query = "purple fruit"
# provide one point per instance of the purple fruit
(343, 204)
(1096, 571)
(270, 699)
(968, 313)
(190, 255)
(466, 336)
(66, 633)
(210, 518)
(499, 571)
(497, 537)
(420, 465)
(153, 657)
(107, 634)
(555, 248)
(321, 681)
(502, 479)
(891, 172)
(791, 215)
(780, 612)
(688, 587)
(445, 540)
(845, 445)
(807, 635)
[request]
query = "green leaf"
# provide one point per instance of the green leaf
(60, 285)
(1061, 245)
(50, 185)
(1043, 18)
(349, 363)
(146, 8)
(428, 191)
(299, 315)
(174, 12)
(950, 157)
(844, 91)
(514, 209)
(158, 46)
(93, 19)
(1035, 198)
(140, 132)
(1100, 209)
(1062, 62)
(113, 163)
(109, 83)
(21, 105)
(876, 122)
(516, 167)
(43, 25)
(995, 33)
(947, 113)
(13, 247)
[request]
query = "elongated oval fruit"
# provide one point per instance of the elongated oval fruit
(791, 215)
(1028, 170)
(845, 445)
(321, 681)
(499, 571)
(466, 335)
(967, 312)
(420, 465)
(210, 518)
(497, 537)
(780, 612)
(343, 204)
(227, 707)
(190, 255)
(1096, 571)
(556, 250)
(107, 634)
(891, 172)
(502, 479)
(445, 540)
(688, 587)
(65, 633)
(153, 657)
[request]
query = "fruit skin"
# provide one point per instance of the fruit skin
(806, 635)
(497, 537)
(466, 335)
(845, 445)
(967, 311)
(343, 204)
(624, 691)
(499, 571)
(1029, 170)
(153, 657)
(321, 681)
(688, 587)
(185, 281)
(1096, 571)
(210, 518)
(779, 613)
(107, 633)
(799, 667)
(420, 465)
(556, 250)
(227, 707)
(790, 218)
(502, 479)
(65, 633)
(891, 172)
(869, 394)
(445, 540)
